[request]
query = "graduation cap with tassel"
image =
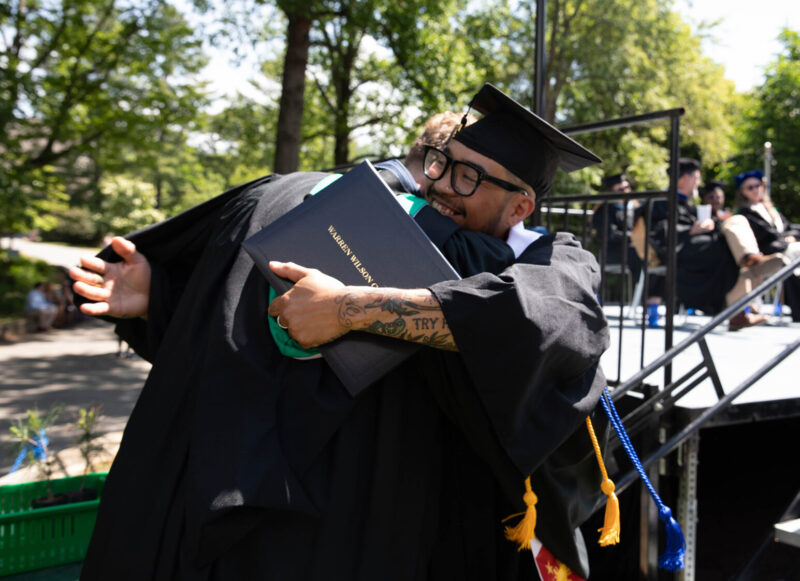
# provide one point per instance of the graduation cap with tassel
(533, 150)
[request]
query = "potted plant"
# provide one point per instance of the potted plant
(87, 444)
(36, 535)
(33, 447)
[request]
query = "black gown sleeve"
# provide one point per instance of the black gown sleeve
(767, 236)
(173, 248)
(531, 338)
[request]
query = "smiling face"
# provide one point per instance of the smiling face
(716, 198)
(752, 189)
(491, 209)
(624, 186)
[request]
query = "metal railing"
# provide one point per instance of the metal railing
(567, 207)
(663, 401)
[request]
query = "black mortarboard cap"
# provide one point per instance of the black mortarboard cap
(687, 165)
(521, 141)
(712, 185)
(612, 180)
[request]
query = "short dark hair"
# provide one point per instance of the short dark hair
(687, 165)
(612, 180)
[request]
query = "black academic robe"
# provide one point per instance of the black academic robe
(771, 241)
(706, 269)
(240, 463)
(619, 224)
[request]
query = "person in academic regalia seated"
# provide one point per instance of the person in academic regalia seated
(239, 462)
(714, 196)
(717, 261)
(774, 233)
(619, 224)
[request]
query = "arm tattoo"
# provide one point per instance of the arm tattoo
(398, 314)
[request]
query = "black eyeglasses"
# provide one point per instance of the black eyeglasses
(753, 186)
(465, 177)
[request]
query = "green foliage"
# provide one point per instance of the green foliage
(17, 277)
(773, 115)
(73, 226)
(127, 204)
(615, 58)
(29, 431)
(87, 439)
(100, 106)
(85, 87)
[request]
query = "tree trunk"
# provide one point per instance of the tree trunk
(290, 116)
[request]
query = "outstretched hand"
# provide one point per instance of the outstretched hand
(119, 289)
(310, 308)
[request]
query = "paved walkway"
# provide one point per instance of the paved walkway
(55, 254)
(76, 367)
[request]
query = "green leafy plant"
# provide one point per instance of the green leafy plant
(87, 440)
(32, 444)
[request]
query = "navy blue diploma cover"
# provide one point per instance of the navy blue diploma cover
(355, 231)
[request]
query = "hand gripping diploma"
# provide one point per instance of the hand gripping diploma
(119, 289)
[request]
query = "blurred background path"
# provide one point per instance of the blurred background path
(76, 366)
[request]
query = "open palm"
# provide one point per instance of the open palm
(119, 289)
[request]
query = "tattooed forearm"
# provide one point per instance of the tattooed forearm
(349, 309)
(411, 315)
(429, 323)
(396, 328)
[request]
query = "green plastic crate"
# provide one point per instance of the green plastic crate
(33, 539)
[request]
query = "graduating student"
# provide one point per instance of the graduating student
(241, 463)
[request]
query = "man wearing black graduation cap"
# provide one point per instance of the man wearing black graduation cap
(240, 463)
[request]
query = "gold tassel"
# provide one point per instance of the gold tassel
(609, 534)
(522, 533)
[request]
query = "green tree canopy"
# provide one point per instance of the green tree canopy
(86, 86)
(773, 115)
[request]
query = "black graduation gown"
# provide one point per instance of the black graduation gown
(240, 463)
(771, 241)
(706, 269)
(619, 224)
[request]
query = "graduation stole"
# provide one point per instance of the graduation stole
(523, 532)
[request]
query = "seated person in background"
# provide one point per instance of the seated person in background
(717, 261)
(39, 307)
(714, 196)
(618, 224)
(774, 233)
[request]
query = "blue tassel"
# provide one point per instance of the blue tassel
(672, 559)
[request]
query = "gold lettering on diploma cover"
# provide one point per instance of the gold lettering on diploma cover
(362, 270)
